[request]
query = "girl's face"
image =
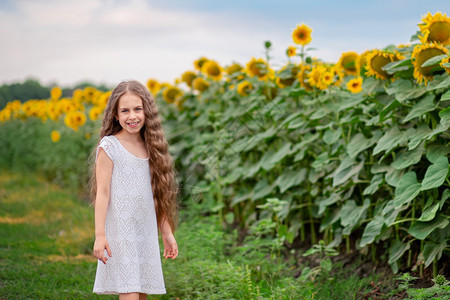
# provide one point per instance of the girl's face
(130, 113)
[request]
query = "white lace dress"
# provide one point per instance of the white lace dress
(130, 227)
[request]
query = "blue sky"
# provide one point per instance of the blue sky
(105, 41)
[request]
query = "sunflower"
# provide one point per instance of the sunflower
(435, 28)
(446, 61)
(315, 78)
(55, 136)
(198, 64)
(188, 77)
(362, 61)
(52, 110)
(349, 62)
(56, 93)
(102, 100)
(421, 54)
(171, 94)
(212, 69)
(153, 86)
(376, 60)
(355, 85)
(257, 67)
(95, 112)
(287, 75)
(244, 88)
(327, 77)
(302, 76)
(302, 34)
(291, 51)
(234, 68)
(200, 84)
(75, 119)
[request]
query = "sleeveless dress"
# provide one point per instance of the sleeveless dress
(130, 227)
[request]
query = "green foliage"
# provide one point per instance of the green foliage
(370, 167)
(27, 146)
(46, 239)
(440, 289)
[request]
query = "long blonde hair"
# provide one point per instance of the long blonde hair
(164, 185)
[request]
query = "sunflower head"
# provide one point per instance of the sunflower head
(153, 86)
(212, 69)
(171, 93)
(349, 63)
(75, 119)
(95, 112)
(55, 136)
(188, 77)
(355, 85)
(302, 76)
(56, 93)
(257, 67)
(435, 28)
(421, 54)
(315, 77)
(302, 35)
(244, 88)
(291, 51)
(234, 68)
(198, 64)
(200, 84)
(362, 61)
(287, 75)
(376, 60)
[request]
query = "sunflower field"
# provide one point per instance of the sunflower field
(353, 153)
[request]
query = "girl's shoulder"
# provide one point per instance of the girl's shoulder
(108, 144)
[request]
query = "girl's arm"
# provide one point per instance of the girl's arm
(170, 244)
(103, 173)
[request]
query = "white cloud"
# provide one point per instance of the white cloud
(108, 40)
(104, 41)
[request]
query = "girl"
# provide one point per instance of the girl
(135, 194)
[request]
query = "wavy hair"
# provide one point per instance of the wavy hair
(163, 182)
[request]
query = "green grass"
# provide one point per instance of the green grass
(46, 238)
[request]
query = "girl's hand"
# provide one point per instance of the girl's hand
(101, 243)
(170, 246)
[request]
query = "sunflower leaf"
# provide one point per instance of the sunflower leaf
(388, 141)
(435, 174)
(408, 188)
(423, 106)
(397, 250)
(421, 230)
(433, 251)
(420, 134)
(371, 231)
(429, 213)
(399, 65)
(434, 60)
(408, 158)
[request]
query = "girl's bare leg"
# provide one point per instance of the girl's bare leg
(129, 296)
(142, 296)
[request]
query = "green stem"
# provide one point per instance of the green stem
(421, 265)
(347, 244)
(435, 267)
